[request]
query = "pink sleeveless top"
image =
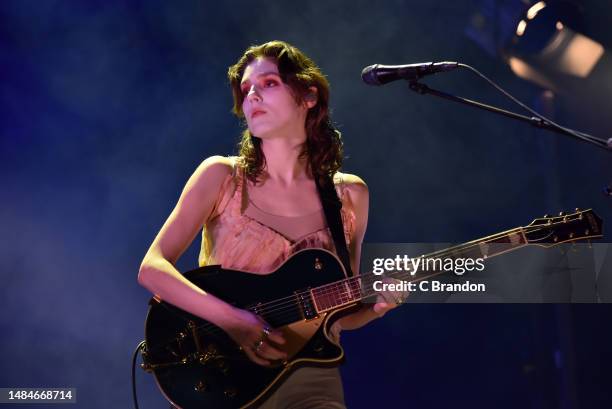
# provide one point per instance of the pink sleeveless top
(238, 241)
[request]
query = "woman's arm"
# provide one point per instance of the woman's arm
(358, 197)
(158, 274)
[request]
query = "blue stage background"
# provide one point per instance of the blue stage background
(107, 107)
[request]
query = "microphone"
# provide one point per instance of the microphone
(378, 74)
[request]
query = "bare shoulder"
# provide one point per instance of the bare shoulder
(222, 165)
(213, 171)
(357, 198)
(351, 182)
(355, 186)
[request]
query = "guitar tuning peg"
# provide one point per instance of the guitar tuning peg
(577, 209)
(546, 216)
(561, 213)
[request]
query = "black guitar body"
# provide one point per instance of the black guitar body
(196, 365)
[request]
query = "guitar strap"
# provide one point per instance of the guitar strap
(331, 207)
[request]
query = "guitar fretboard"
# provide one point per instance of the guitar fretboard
(358, 288)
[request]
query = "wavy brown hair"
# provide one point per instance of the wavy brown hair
(323, 147)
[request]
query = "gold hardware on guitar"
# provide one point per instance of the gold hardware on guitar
(196, 338)
(223, 366)
(200, 387)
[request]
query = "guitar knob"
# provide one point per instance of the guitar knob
(546, 216)
(204, 358)
(561, 213)
(200, 387)
(223, 366)
(577, 209)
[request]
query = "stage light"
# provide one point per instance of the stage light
(550, 47)
(547, 43)
(523, 70)
(535, 9)
(520, 29)
(580, 55)
(540, 41)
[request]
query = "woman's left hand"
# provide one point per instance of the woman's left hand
(381, 308)
(388, 300)
(385, 302)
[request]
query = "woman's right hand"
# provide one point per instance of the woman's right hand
(255, 337)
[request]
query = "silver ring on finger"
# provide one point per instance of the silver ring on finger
(266, 331)
(258, 345)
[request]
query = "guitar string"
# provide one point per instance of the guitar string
(330, 290)
(280, 314)
(338, 289)
(280, 306)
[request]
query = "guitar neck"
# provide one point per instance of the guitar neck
(360, 287)
(546, 231)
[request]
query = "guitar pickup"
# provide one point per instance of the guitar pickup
(306, 304)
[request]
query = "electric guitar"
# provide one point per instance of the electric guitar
(197, 365)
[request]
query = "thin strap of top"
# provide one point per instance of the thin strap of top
(228, 188)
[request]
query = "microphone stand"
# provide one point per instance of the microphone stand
(423, 89)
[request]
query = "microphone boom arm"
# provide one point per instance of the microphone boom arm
(535, 121)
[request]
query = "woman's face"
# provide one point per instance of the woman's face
(269, 106)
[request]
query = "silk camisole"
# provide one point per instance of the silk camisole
(240, 236)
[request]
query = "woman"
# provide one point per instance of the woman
(262, 206)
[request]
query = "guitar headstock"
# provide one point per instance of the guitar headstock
(549, 231)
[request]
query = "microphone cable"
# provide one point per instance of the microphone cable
(577, 134)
